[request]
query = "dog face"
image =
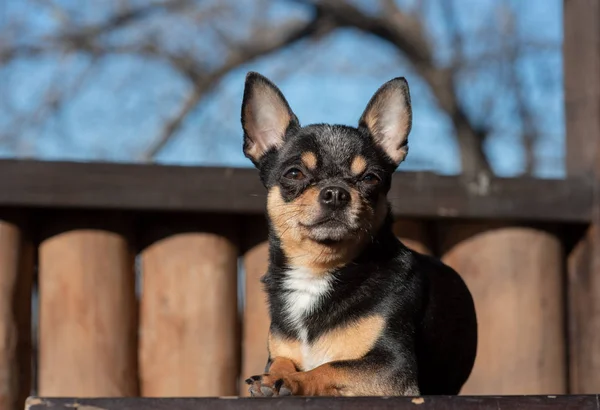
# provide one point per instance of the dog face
(327, 183)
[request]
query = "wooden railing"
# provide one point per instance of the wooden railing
(297, 403)
(76, 229)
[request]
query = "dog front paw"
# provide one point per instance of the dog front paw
(269, 385)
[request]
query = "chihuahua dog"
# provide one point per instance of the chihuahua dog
(354, 312)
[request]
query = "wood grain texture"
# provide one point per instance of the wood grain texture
(143, 187)
(414, 234)
(582, 105)
(584, 313)
(256, 318)
(256, 314)
(16, 273)
(515, 275)
(332, 403)
(189, 338)
(87, 325)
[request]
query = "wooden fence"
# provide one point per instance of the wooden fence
(80, 226)
(528, 249)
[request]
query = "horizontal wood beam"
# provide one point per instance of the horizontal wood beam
(229, 190)
(334, 403)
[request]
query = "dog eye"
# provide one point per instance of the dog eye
(294, 174)
(370, 179)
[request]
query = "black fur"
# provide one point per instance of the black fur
(430, 335)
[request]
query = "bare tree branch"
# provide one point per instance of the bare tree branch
(263, 43)
(124, 18)
(57, 12)
(530, 132)
(51, 102)
(173, 125)
(406, 33)
(83, 38)
(402, 28)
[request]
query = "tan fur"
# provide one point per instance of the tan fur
(309, 159)
(345, 343)
(282, 366)
(358, 165)
(328, 380)
(285, 348)
(348, 342)
(288, 219)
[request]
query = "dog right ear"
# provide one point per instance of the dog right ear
(266, 116)
(388, 118)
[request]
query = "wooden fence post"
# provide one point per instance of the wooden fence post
(189, 344)
(16, 273)
(87, 330)
(515, 275)
(256, 313)
(414, 234)
(582, 103)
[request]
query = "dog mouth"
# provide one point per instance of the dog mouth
(329, 230)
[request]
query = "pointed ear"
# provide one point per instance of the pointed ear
(388, 117)
(266, 116)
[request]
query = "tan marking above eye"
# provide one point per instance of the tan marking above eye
(309, 159)
(358, 165)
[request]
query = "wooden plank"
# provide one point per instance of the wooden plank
(515, 275)
(189, 341)
(87, 323)
(584, 317)
(16, 274)
(582, 103)
(256, 312)
(332, 403)
(171, 188)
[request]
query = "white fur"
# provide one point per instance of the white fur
(306, 290)
(305, 293)
(312, 359)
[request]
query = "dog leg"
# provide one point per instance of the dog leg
(342, 378)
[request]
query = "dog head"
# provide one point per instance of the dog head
(327, 183)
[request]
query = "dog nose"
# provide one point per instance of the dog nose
(334, 197)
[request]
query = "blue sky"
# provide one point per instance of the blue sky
(119, 110)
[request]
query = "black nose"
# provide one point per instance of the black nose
(334, 197)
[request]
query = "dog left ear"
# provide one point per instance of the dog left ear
(266, 116)
(388, 118)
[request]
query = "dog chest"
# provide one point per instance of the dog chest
(348, 342)
(304, 291)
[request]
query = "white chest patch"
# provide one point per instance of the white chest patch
(305, 292)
